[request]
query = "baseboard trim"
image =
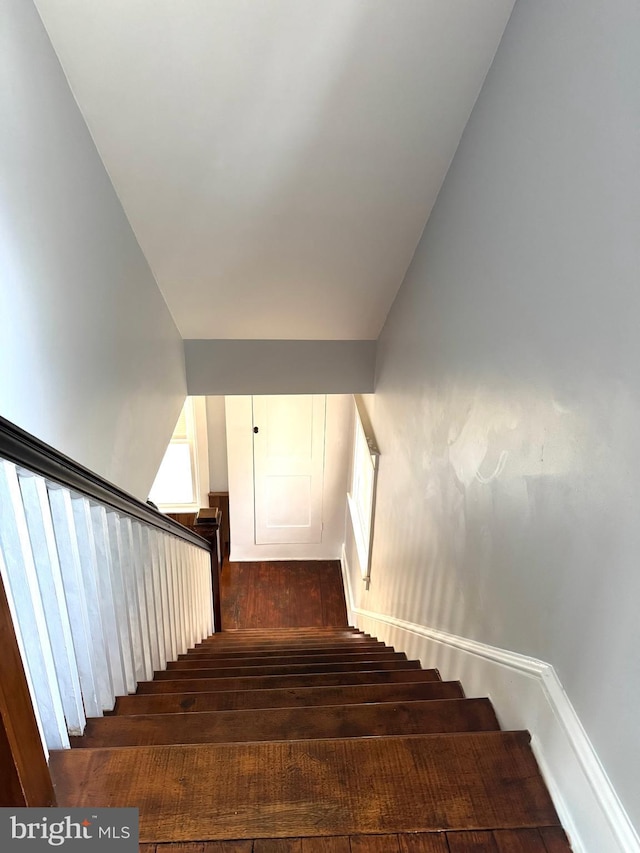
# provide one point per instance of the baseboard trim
(526, 693)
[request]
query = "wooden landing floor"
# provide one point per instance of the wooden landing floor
(287, 594)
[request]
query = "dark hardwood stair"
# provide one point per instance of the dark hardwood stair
(198, 661)
(548, 839)
(303, 740)
(330, 721)
(232, 700)
(246, 670)
(313, 679)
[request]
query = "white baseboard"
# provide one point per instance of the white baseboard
(526, 694)
(249, 553)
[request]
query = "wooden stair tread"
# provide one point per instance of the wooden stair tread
(329, 649)
(336, 637)
(291, 629)
(286, 633)
(202, 662)
(313, 630)
(273, 637)
(543, 839)
(278, 650)
(288, 669)
(300, 642)
(258, 682)
(167, 703)
(341, 721)
(306, 788)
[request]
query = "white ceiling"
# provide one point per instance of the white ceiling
(277, 159)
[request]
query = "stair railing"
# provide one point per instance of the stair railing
(102, 589)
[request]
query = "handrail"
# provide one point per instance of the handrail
(24, 449)
(361, 497)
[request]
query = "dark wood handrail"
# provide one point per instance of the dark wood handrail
(24, 449)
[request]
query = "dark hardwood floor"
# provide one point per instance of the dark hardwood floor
(534, 840)
(282, 594)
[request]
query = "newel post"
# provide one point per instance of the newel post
(207, 524)
(24, 773)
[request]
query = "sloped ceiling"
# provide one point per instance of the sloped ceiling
(277, 159)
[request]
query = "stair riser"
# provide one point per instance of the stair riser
(300, 629)
(241, 645)
(294, 669)
(198, 654)
(287, 634)
(286, 637)
(206, 685)
(292, 697)
(283, 651)
(287, 660)
(347, 721)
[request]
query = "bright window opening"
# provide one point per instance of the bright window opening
(176, 483)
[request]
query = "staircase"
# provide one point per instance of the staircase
(309, 740)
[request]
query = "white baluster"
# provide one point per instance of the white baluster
(194, 599)
(190, 595)
(164, 595)
(184, 574)
(150, 595)
(139, 573)
(128, 565)
(81, 628)
(89, 567)
(21, 581)
(182, 647)
(154, 561)
(204, 597)
(124, 608)
(199, 597)
(202, 601)
(38, 516)
(109, 612)
(153, 535)
(166, 541)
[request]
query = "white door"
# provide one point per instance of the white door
(288, 460)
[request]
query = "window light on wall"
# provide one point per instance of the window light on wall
(176, 484)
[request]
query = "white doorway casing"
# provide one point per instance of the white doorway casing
(332, 496)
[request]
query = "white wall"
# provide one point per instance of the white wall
(279, 366)
(217, 436)
(507, 405)
(338, 439)
(90, 359)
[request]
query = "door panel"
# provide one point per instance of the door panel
(288, 455)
